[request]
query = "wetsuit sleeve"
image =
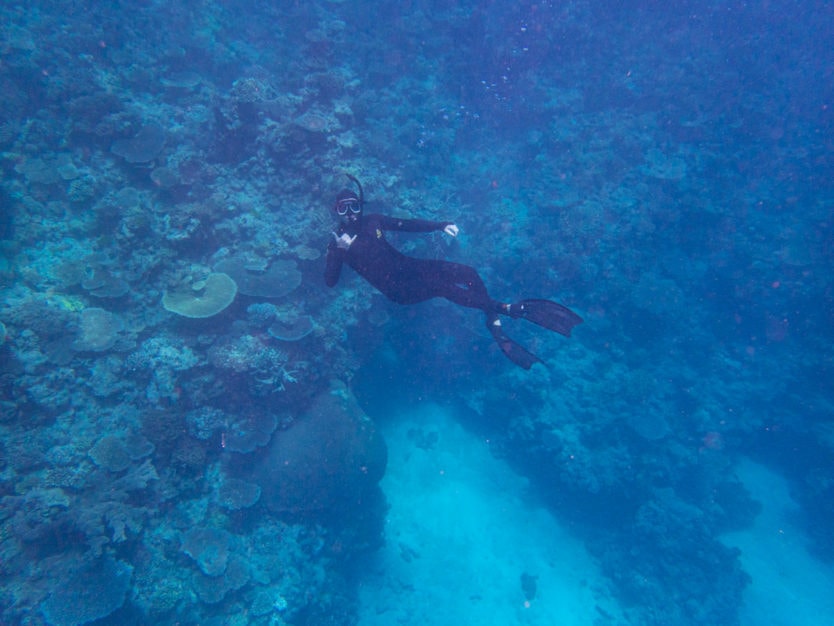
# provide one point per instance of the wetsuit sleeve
(333, 266)
(410, 226)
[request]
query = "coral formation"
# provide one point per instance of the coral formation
(203, 422)
(102, 284)
(291, 328)
(329, 459)
(275, 280)
(98, 330)
(209, 547)
(205, 298)
(213, 589)
(249, 430)
(144, 146)
(84, 592)
(235, 494)
(261, 314)
(109, 453)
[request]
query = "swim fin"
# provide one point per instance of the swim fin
(513, 351)
(547, 314)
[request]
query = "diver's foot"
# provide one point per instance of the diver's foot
(513, 351)
(547, 314)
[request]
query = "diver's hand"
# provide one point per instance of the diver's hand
(345, 241)
(452, 230)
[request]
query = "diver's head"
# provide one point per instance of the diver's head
(348, 204)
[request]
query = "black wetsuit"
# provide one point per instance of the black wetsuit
(404, 279)
(408, 280)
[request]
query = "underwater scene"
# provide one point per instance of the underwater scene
(340, 312)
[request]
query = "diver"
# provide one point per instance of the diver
(360, 242)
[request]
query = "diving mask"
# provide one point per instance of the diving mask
(346, 205)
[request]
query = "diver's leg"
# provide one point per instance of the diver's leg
(513, 351)
(463, 285)
(545, 313)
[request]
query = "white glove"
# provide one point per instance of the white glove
(452, 230)
(345, 241)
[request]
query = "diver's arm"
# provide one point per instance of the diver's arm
(413, 226)
(333, 264)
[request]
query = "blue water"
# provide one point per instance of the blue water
(194, 429)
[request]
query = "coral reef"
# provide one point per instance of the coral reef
(174, 373)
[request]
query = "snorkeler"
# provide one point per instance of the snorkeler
(360, 242)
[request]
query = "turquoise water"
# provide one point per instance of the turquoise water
(194, 429)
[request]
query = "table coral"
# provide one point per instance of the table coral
(142, 147)
(278, 279)
(205, 299)
(212, 589)
(98, 330)
(209, 547)
(250, 430)
(110, 454)
(235, 494)
(291, 328)
(83, 591)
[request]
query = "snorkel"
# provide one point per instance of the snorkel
(354, 180)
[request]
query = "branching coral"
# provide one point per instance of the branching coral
(161, 359)
(33, 515)
(268, 368)
(204, 421)
(108, 519)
